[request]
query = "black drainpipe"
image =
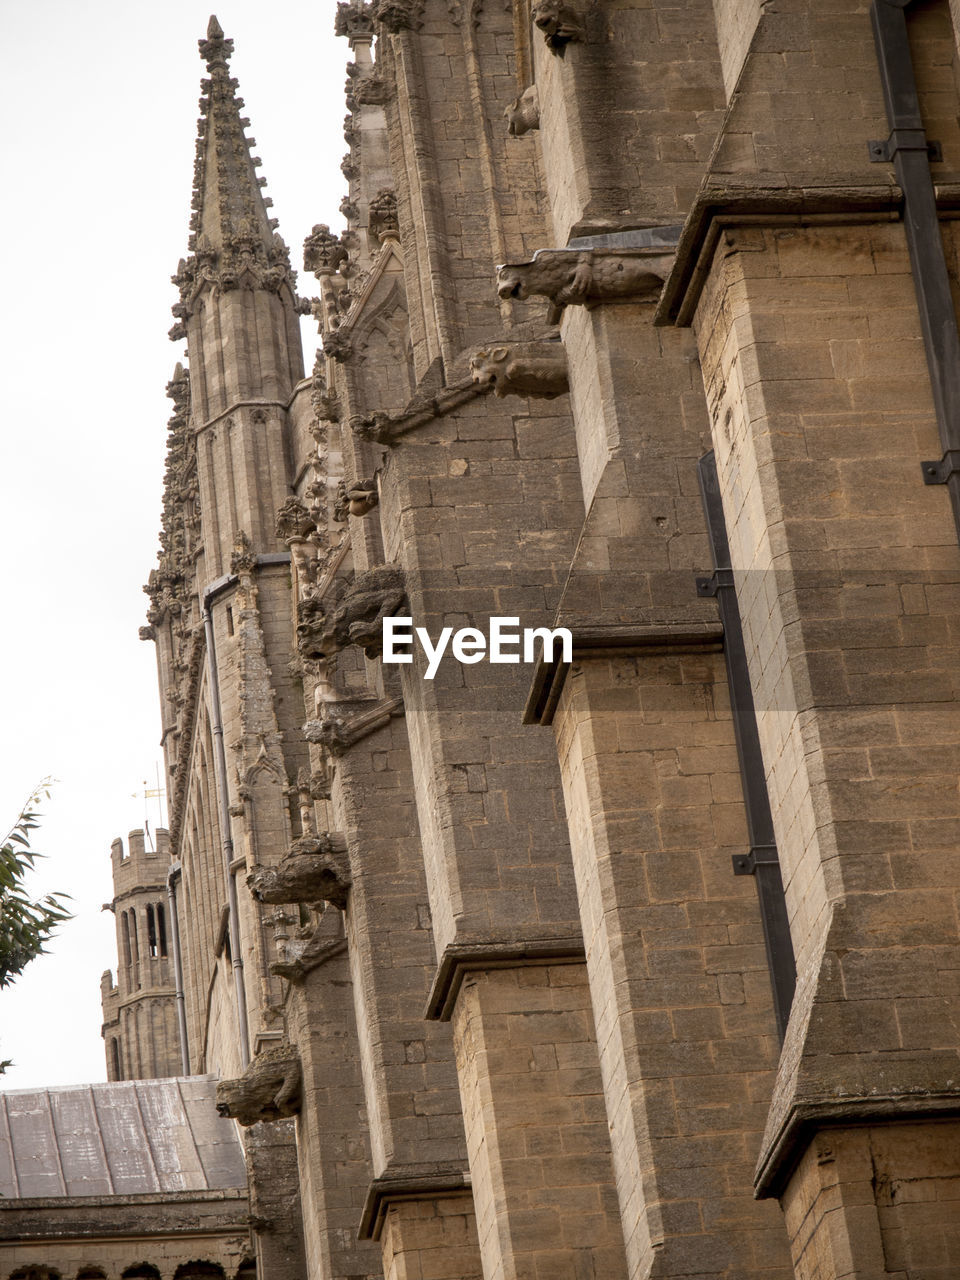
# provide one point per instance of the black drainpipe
(911, 153)
(762, 861)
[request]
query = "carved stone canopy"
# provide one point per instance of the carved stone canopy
(522, 368)
(269, 1089)
(586, 277)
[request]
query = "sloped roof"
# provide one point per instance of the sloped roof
(132, 1137)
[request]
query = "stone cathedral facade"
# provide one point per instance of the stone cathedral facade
(640, 960)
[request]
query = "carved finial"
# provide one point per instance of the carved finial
(323, 252)
(355, 21)
(215, 50)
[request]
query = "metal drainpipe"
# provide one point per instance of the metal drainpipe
(223, 804)
(910, 152)
(172, 874)
(223, 800)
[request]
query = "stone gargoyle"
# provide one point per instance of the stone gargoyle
(324, 630)
(570, 277)
(523, 113)
(560, 24)
(314, 871)
(269, 1089)
(522, 368)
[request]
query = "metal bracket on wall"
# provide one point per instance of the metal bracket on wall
(707, 588)
(908, 149)
(939, 472)
(883, 152)
(760, 855)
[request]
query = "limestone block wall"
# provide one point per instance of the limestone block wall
(846, 599)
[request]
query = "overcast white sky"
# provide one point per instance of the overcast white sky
(99, 102)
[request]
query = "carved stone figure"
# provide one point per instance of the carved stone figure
(383, 216)
(355, 500)
(585, 278)
(313, 871)
(523, 113)
(294, 521)
(374, 91)
(395, 15)
(269, 1089)
(560, 24)
(522, 369)
(306, 954)
(338, 346)
(322, 251)
(358, 619)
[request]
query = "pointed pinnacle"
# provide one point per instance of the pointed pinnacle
(215, 49)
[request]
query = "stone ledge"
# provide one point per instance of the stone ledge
(612, 642)
(718, 207)
(780, 1159)
(461, 958)
(409, 1182)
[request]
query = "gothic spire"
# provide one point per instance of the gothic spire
(227, 199)
(232, 239)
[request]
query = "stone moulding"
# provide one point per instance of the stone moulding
(409, 1182)
(270, 1088)
(534, 369)
(549, 677)
(338, 733)
(315, 870)
(461, 958)
(386, 428)
(303, 956)
(586, 277)
(717, 208)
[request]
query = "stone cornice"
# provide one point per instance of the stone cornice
(804, 1120)
(461, 958)
(611, 642)
(409, 1182)
(718, 207)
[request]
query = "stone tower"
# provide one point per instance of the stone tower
(139, 1012)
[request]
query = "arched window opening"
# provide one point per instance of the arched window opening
(91, 1273)
(247, 1270)
(151, 933)
(134, 940)
(36, 1273)
(161, 929)
(142, 1271)
(115, 1054)
(199, 1271)
(125, 938)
